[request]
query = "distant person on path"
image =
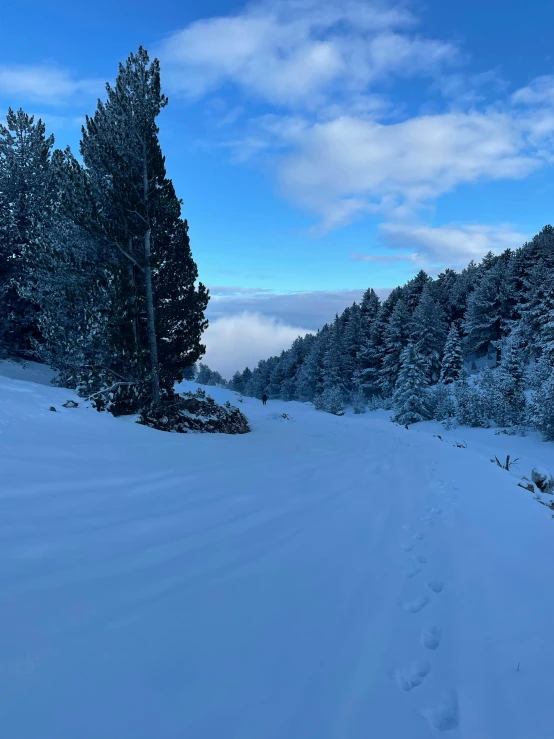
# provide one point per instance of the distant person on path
(264, 398)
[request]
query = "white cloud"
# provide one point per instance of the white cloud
(43, 83)
(295, 52)
(540, 91)
(241, 340)
(453, 245)
(310, 308)
(344, 168)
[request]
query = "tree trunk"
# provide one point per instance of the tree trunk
(134, 304)
(152, 342)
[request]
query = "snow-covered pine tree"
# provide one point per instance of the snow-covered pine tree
(369, 308)
(276, 377)
(179, 301)
(333, 360)
(26, 212)
(541, 413)
(465, 284)
(533, 306)
(543, 315)
(429, 334)
(413, 290)
(452, 361)
(236, 383)
(443, 290)
(204, 374)
(246, 379)
(133, 199)
(351, 345)
(487, 310)
(292, 362)
(410, 399)
(307, 376)
(396, 338)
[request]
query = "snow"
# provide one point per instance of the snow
(330, 578)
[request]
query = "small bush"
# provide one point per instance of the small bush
(330, 401)
(359, 401)
(195, 413)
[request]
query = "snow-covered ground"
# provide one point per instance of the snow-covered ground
(319, 578)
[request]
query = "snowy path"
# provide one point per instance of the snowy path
(324, 578)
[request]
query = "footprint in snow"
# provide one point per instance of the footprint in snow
(435, 586)
(445, 715)
(431, 638)
(420, 559)
(408, 547)
(412, 571)
(414, 606)
(411, 677)
(419, 536)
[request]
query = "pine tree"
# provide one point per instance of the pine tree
(410, 396)
(542, 409)
(134, 210)
(333, 360)
(429, 334)
(309, 379)
(444, 290)
(179, 303)
(452, 361)
(236, 384)
(487, 311)
(396, 338)
(26, 207)
(413, 290)
(369, 308)
(133, 199)
(351, 345)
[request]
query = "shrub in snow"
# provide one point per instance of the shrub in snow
(471, 410)
(538, 373)
(442, 403)
(105, 390)
(376, 402)
(359, 401)
(410, 397)
(541, 413)
(509, 408)
(330, 401)
(196, 413)
(542, 479)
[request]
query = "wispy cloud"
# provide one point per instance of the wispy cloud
(302, 308)
(47, 84)
(384, 258)
(299, 52)
(453, 245)
(230, 290)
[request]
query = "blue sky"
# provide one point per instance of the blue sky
(320, 147)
